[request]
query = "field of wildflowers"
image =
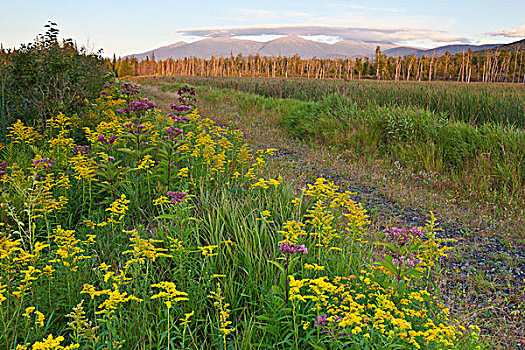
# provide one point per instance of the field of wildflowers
(128, 228)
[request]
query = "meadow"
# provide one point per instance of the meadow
(482, 162)
(125, 226)
(482, 277)
(474, 103)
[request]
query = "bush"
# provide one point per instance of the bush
(46, 77)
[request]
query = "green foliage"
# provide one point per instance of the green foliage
(485, 159)
(203, 268)
(473, 103)
(47, 77)
(125, 68)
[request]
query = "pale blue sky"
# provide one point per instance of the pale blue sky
(125, 27)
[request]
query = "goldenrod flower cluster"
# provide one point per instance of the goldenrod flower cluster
(143, 249)
(357, 305)
(224, 313)
(20, 133)
(169, 293)
(69, 251)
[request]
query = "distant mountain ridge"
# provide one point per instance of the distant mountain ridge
(515, 46)
(286, 46)
(294, 45)
(438, 51)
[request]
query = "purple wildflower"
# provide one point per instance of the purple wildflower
(292, 249)
(3, 165)
(80, 149)
(402, 236)
(177, 118)
(141, 105)
(321, 320)
(129, 89)
(123, 110)
(186, 94)
(109, 141)
(407, 261)
(186, 89)
(180, 108)
(176, 197)
(135, 129)
(172, 132)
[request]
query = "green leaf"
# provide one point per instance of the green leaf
(278, 265)
(414, 273)
(390, 246)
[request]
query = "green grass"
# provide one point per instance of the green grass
(475, 103)
(484, 162)
(91, 240)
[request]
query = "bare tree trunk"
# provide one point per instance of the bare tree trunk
(409, 69)
(521, 61)
(461, 74)
(430, 69)
(397, 68)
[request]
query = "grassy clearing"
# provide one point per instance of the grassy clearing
(481, 167)
(130, 229)
(482, 282)
(475, 103)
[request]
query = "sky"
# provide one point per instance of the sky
(132, 26)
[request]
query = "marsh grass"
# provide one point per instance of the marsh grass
(474, 103)
(482, 221)
(140, 264)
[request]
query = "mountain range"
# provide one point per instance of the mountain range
(295, 45)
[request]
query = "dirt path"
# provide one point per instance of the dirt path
(483, 278)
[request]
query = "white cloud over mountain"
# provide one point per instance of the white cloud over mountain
(516, 32)
(394, 35)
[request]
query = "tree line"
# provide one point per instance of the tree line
(486, 66)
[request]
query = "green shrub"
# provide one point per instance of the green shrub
(46, 77)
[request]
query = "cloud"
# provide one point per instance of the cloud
(516, 32)
(394, 35)
(365, 8)
(251, 15)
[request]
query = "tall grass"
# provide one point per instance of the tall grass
(231, 260)
(483, 162)
(3, 103)
(475, 103)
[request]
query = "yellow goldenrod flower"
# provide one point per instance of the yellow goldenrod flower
(314, 267)
(208, 250)
(169, 293)
(29, 311)
(184, 321)
(40, 318)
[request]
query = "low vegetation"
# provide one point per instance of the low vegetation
(481, 163)
(475, 104)
(125, 225)
(165, 224)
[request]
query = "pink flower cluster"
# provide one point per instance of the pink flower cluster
(407, 261)
(176, 197)
(292, 249)
(172, 132)
(129, 89)
(402, 236)
(141, 105)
